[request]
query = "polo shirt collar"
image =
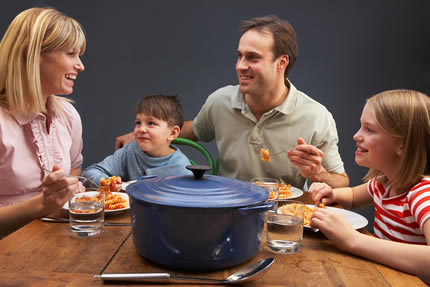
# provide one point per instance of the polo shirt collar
(237, 101)
(287, 106)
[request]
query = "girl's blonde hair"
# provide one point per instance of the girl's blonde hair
(404, 114)
(33, 32)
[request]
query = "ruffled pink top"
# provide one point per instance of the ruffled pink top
(27, 147)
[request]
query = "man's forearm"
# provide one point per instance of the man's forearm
(335, 180)
(187, 131)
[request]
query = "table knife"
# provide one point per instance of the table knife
(66, 220)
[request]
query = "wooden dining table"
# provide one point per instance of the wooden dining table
(45, 254)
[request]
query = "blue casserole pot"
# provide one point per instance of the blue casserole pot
(210, 223)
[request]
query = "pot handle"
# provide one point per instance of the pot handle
(256, 208)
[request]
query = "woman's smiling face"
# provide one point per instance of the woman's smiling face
(58, 71)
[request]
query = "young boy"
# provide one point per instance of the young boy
(159, 119)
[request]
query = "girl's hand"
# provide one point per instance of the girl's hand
(335, 227)
(56, 188)
(321, 193)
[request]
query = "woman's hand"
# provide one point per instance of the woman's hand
(321, 193)
(335, 227)
(56, 188)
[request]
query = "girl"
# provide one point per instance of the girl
(394, 143)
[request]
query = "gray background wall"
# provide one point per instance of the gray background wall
(348, 51)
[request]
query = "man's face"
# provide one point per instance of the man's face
(255, 67)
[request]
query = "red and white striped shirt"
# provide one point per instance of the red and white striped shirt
(401, 218)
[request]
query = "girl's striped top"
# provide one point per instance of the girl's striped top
(401, 218)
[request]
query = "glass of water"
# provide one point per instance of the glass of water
(285, 226)
(86, 212)
(271, 184)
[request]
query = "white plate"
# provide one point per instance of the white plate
(127, 183)
(108, 212)
(296, 193)
(356, 220)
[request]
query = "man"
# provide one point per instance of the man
(266, 111)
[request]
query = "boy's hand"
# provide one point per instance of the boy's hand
(117, 184)
(114, 183)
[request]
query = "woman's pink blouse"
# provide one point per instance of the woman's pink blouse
(26, 148)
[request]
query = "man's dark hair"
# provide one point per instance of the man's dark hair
(162, 107)
(285, 41)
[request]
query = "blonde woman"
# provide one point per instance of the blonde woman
(394, 143)
(40, 133)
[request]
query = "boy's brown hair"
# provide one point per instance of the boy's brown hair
(162, 107)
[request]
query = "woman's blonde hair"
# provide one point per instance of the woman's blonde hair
(404, 114)
(33, 32)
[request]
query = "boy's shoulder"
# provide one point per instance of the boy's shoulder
(129, 147)
(133, 147)
(178, 151)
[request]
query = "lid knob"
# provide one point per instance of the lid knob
(198, 170)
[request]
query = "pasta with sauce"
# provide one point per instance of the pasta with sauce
(293, 209)
(114, 201)
(264, 155)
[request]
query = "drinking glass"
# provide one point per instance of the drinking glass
(86, 212)
(285, 226)
(271, 184)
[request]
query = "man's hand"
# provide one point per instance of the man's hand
(308, 159)
(123, 140)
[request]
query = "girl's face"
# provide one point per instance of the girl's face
(58, 71)
(376, 148)
(153, 135)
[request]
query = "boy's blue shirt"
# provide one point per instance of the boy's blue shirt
(130, 162)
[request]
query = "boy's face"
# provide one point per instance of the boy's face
(153, 135)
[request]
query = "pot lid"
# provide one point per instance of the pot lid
(189, 191)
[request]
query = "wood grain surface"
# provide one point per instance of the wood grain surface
(44, 254)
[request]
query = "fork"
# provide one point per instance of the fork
(78, 177)
(278, 153)
(266, 155)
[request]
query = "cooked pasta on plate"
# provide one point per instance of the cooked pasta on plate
(356, 220)
(114, 201)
